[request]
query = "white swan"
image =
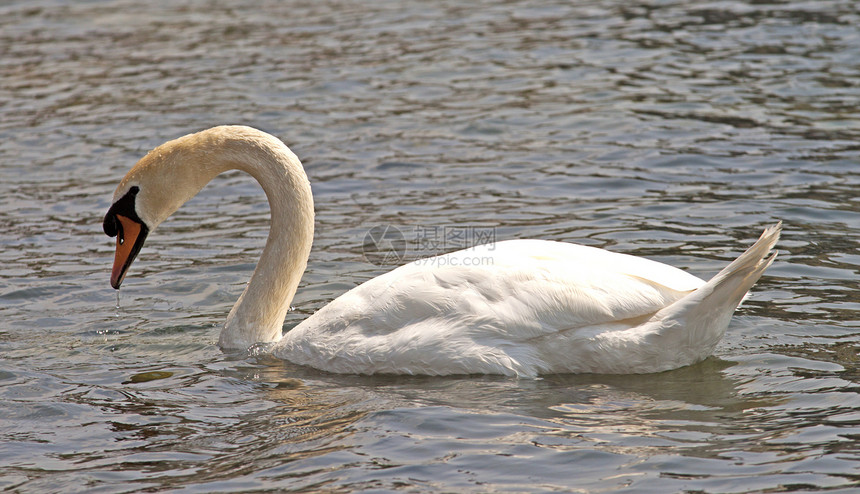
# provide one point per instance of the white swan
(530, 307)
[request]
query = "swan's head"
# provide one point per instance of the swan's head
(123, 222)
(152, 190)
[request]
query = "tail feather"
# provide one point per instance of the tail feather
(704, 314)
(752, 261)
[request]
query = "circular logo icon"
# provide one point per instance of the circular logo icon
(384, 245)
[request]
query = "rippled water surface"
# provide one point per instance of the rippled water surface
(675, 130)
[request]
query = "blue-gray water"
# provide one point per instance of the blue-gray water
(675, 130)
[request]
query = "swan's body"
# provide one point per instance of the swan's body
(519, 307)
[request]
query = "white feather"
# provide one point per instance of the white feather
(528, 307)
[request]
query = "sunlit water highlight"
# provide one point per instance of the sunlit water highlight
(673, 130)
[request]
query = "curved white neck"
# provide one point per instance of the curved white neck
(258, 315)
(174, 172)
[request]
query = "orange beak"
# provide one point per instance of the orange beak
(129, 240)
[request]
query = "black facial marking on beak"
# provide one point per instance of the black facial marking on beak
(125, 207)
(122, 221)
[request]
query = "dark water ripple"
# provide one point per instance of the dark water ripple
(675, 130)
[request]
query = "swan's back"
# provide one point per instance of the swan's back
(500, 308)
